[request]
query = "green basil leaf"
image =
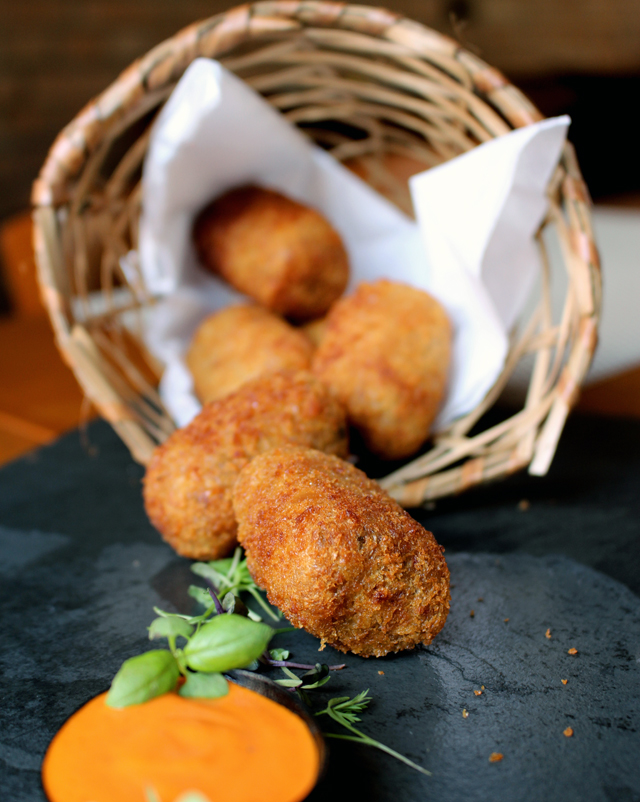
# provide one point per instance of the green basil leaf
(279, 654)
(204, 686)
(229, 641)
(169, 627)
(142, 678)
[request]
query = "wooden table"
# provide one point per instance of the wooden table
(39, 396)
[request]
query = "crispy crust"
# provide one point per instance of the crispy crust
(284, 255)
(189, 481)
(385, 353)
(240, 343)
(339, 556)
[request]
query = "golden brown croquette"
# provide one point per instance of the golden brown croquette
(189, 481)
(385, 353)
(338, 555)
(279, 252)
(240, 343)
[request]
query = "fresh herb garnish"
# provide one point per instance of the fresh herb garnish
(204, 686)
(213, 645)
(344, 710)
(227, 636)
(143, 677)
(230, 575)
(228, 641)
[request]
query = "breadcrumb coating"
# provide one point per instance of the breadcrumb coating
(337, 555)
(385, 353)
(190, 478)
(279, 252)
(240, 343)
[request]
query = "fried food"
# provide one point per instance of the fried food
(314, 330)
(385, 353)
(190, 478)
(338, 555)
(240, 343)
(282, 254)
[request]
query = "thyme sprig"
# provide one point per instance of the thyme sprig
(344, 711)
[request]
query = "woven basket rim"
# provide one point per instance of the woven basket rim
(70, 168)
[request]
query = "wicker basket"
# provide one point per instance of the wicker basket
(371, 86)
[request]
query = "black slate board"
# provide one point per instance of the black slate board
(80, 569)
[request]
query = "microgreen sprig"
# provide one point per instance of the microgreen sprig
(344, 711)
(230, 575)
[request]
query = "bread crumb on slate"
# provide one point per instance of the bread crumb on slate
(547, 634)
(568, 732)
(564, 681)
(495, 757)
(572, 651)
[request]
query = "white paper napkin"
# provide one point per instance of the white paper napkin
(471, 246)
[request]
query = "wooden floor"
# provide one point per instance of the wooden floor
(39, 396)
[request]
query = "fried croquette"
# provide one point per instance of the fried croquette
(385, 353)
(190, 478)
(282, 254)
(314, 330)
(240, 343)
(337, 555)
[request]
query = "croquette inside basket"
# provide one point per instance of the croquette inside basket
(371, 87)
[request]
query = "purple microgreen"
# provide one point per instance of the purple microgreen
(219, 608)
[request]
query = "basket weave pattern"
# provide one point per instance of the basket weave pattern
(369, 86)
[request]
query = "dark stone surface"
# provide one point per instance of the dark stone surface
(81, 568)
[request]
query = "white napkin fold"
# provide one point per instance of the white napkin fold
(471, 246)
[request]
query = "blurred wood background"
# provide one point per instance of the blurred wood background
(57, 54)
(575, 56)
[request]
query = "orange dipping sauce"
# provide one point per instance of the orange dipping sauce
(241, 747)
